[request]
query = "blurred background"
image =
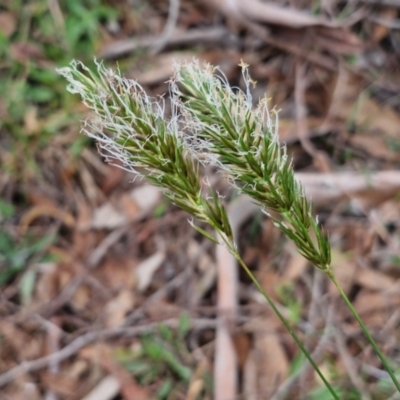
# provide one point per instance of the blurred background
(106, 292)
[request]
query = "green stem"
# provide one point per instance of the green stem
(286, 325)
(364, 329)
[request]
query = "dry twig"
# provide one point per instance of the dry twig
(90, 337)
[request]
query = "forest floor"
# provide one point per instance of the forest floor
(106, 291)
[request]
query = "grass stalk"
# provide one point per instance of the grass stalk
(287, 326)
(365, 330)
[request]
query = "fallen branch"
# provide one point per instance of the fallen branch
(178, 38)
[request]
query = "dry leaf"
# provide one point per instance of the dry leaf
(112, 179)
(129, 207)
(344, 269)
(365, 190)
(118, 274)
(8, 24)
(24, 391)
(159, 310)
(28, 346)
(194, 389)
(179, 38)
(126, 208)
(381, 30)
(162, 67)
(25, 52)
(374, 280)
(368, 302)
(32, 124)
(106, 389)
(378, 126)
(270, 13)
(197, 379)
(146, 269)
(46, 211)
(120, 381)
(375, 308)
(146, 197)
(117, 308)
(108, 217)
(59, 383)
(377, 144)
(271, 361)
(207, 269)
(295, 267)
(242, 346)
(81, 298)
(47, 283)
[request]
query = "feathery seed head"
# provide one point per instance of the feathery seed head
(131, 127)
(211, 123)
(225, 130)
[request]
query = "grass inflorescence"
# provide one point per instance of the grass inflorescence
(211, 123)
(244, 143)
(131, 127)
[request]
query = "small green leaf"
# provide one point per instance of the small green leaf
(152, 348)
(184, 324)
(322, 393)
(165, 332)
(79, 145)
(160, 210)
(40, 94)
(7, 210)
(165, 389)
(138, 367)
(297, 363)
(27, 286)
